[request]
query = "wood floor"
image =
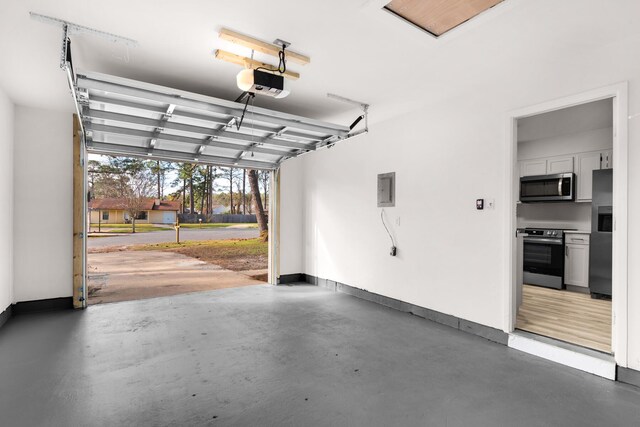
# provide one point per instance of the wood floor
(568, 316)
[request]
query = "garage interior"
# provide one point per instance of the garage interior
(389, 128)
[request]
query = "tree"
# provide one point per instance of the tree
(186, 178)
(257, 204)
(244, 191)
(265, 175)
(234, 177)
(137, 193)
(160, 169)
(231, 190)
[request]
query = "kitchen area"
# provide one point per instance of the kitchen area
(564, 219)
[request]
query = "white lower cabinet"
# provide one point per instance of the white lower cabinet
(576, 261)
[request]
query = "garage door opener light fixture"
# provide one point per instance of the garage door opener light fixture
(259, 77)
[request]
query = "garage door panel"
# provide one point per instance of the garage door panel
(141, 119)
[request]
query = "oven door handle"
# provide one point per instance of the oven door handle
(542, 241)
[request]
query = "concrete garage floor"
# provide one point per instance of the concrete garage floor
(133, 275)
(282, 356)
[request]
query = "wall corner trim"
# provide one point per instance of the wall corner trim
(463, 325)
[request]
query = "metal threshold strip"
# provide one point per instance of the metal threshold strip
(132, 118)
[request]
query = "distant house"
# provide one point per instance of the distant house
(112, 211)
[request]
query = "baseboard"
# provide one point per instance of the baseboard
(26, 307)
(291, 279)
(51, 304)
(5, 315)
(628, 376)
(483, 331)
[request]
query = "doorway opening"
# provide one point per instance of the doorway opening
(160, 228)
(564, 295)
(568, 260)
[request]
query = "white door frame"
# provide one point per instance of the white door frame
(274, 227)
(619, 94)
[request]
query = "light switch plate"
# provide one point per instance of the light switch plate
(386, 190)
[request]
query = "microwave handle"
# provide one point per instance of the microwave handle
(560, 187)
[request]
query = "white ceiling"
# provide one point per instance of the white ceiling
(357, 50)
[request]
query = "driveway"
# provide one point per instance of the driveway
(170, 236)
(133, 275)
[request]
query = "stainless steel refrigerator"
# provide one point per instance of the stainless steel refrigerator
(600, 251)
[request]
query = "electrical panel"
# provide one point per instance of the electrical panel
(386, 190)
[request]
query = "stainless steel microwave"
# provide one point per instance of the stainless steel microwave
(548, 188)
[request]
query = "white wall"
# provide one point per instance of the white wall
(43, 210)
(567, 121)
(6, 195)
(567, 215)
(450, 256)
(582, 142)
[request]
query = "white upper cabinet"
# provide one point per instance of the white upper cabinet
(548, 166)
(533, 167)
(583, 164)
(559, 165)
(586, 164)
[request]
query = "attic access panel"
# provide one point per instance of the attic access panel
(137, 119)
(438, 16)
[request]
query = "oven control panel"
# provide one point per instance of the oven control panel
(544, 233)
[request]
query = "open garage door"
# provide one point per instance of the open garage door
(131, 118)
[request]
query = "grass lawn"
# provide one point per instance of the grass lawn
(232, 254)
(126, 228)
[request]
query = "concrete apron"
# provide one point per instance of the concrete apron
(133, 275)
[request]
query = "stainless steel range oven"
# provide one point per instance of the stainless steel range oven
(543, 257)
